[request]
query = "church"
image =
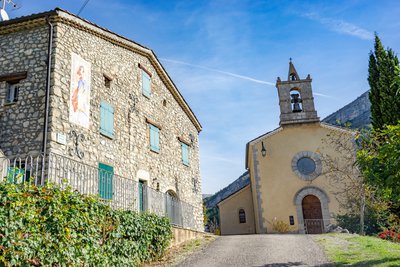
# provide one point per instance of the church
(294, 183)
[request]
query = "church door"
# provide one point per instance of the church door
(312, 215)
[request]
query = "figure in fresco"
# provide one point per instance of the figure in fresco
(80, 92)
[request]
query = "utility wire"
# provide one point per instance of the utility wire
(79, 12)
(82, 7)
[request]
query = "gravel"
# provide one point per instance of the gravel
(259, 250)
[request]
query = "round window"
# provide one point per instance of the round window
(306, 165)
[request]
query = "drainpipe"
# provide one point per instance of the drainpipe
(47, 99)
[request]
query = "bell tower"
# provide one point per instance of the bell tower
(296, 100)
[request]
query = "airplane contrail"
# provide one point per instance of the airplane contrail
(323, 95)
(231, 74)
(218, 71)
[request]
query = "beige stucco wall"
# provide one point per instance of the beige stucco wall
(274, 182)
(229, 213)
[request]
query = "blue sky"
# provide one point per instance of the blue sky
(225, 56)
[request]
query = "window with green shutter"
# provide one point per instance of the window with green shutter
(185, 154)
(146, 84)
(106, 119)
(106, 174)
(154, 138)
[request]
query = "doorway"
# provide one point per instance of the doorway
(142, 196)
(312, 214)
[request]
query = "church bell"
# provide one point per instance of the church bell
(296, 100)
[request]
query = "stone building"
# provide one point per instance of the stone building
(91, 97)
(299, 172)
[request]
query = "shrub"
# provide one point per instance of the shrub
(280, 226)
(391, 235)
(53, 227)
(351, 222)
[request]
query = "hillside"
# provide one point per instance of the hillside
(357, 113)
(235, 186)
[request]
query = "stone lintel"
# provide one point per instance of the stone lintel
(13, 77)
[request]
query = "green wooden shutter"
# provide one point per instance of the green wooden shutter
(185, 154)
(154, 138)
(106, 119)
(141, 196)
(146, 84)
(106, 174)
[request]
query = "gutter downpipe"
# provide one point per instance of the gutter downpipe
(47, 99)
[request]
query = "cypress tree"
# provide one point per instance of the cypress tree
(374, 93)
(383, 74)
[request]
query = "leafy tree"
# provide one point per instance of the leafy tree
(341, 169)
(379, 162)
(383, 78)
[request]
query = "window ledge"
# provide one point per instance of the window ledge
(109, 136)
(7, 104)
(154, 150)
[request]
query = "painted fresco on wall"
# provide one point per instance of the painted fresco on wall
(79, 101)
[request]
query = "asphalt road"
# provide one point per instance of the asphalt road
(259, 251)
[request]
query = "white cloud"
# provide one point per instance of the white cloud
(342, 26)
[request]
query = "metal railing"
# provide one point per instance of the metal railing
(119, 192)
(316, 226)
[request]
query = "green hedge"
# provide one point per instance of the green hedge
(47, 226)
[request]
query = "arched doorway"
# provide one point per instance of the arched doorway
(312, 214)
(173, 207)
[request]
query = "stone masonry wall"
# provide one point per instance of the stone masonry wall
(129, 151)
(21, 123)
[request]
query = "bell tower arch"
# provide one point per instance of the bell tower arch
(296, 100)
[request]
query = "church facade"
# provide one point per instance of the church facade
(293, 182)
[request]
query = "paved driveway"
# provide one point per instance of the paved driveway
(259, 250)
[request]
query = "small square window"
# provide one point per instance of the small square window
(12, 92)
(107, 81)
(195, 185)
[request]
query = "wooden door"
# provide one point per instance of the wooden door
(142, 189)
(312, 215)
(106, 174)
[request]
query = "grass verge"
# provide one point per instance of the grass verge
(355, 250)
(177, 254)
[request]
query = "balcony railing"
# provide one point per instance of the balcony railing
(117, 191)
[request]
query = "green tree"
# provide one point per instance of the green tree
(379, 162)
(383, 78)
(205, 217)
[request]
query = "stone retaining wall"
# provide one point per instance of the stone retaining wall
(181, 235)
